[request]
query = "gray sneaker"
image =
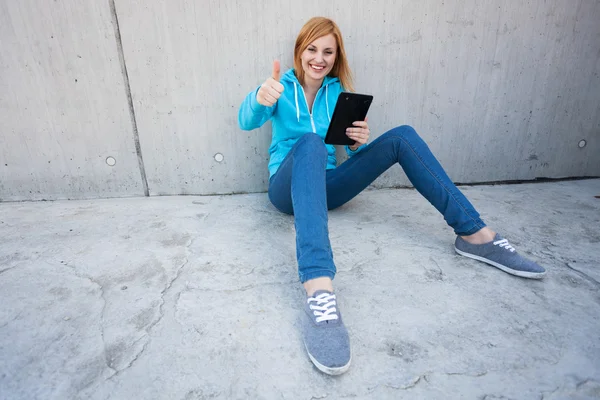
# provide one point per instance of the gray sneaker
(325, 336)
(502, 255)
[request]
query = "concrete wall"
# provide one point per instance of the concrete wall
(501, 91)
(63, 103)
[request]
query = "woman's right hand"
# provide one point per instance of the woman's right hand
(271, 90)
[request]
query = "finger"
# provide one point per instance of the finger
(273, 93)
(356, 136)
(264, 97)
(272, 83)
(260, 98)
(278, 86)
(270, 99)
(362, 124)
(356, 130)
(276, 70)
(358, 140)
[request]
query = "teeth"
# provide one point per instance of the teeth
(317, 68)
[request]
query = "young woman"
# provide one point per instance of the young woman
(304, 180)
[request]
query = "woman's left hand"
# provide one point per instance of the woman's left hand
(359, 133)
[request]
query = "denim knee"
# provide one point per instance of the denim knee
(314, 143)
(404, 132)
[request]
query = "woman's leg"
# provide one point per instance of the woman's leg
(298, 188)
(404, 146)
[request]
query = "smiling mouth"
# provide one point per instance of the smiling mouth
(317, 68)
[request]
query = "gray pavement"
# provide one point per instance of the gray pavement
(198, 298)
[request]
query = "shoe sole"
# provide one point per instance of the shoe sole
(328, 370)
(522, 274)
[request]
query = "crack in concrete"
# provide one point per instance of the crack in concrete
(241, 289)
(147, 329)
(470, 339)
(176, 303)
(106, 360)
(427, 375)
(6, 269)
(160, 317)
(556, 257)
(431, 274)
(358, 267)
(437, 264)
(578, 386)
(409, 385)
(583, 274)
(250, 273)
(135, 358)
(583, 382)
(102, 296)
(543, 394)
(12, 320)
(161, 312)
(470, 375)
(169, 285)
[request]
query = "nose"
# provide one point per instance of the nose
(319, 57)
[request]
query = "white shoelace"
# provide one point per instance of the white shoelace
(325, 309)
(504, 244)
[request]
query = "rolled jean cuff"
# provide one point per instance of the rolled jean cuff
(316, 273)
(473, 228)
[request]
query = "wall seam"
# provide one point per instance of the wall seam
(136, 137)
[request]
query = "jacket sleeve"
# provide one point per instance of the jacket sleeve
(253, 115)
(351, 152)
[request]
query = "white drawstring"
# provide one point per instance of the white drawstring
(327, 101)
(296, 97)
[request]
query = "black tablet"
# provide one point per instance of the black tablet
(350, 107)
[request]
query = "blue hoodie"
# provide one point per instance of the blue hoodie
(291, 117)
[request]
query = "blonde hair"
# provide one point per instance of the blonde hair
(315, 28)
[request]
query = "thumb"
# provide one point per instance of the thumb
(276, 70)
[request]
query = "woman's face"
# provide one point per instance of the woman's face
(319, 58)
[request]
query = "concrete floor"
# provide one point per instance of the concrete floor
(198, 298)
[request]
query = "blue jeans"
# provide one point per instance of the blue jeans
(303, 187)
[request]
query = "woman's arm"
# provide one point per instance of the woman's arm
(260, 104)
(252, 114)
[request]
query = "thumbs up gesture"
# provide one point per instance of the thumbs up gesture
(271, 90)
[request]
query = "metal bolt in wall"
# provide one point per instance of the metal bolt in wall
(219, 157)
(582, 144)
(111, 161)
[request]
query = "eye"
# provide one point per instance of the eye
(311, 50)
(329, 52)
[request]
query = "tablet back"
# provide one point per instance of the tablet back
(350, 107)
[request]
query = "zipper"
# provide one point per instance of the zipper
(312, 121)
